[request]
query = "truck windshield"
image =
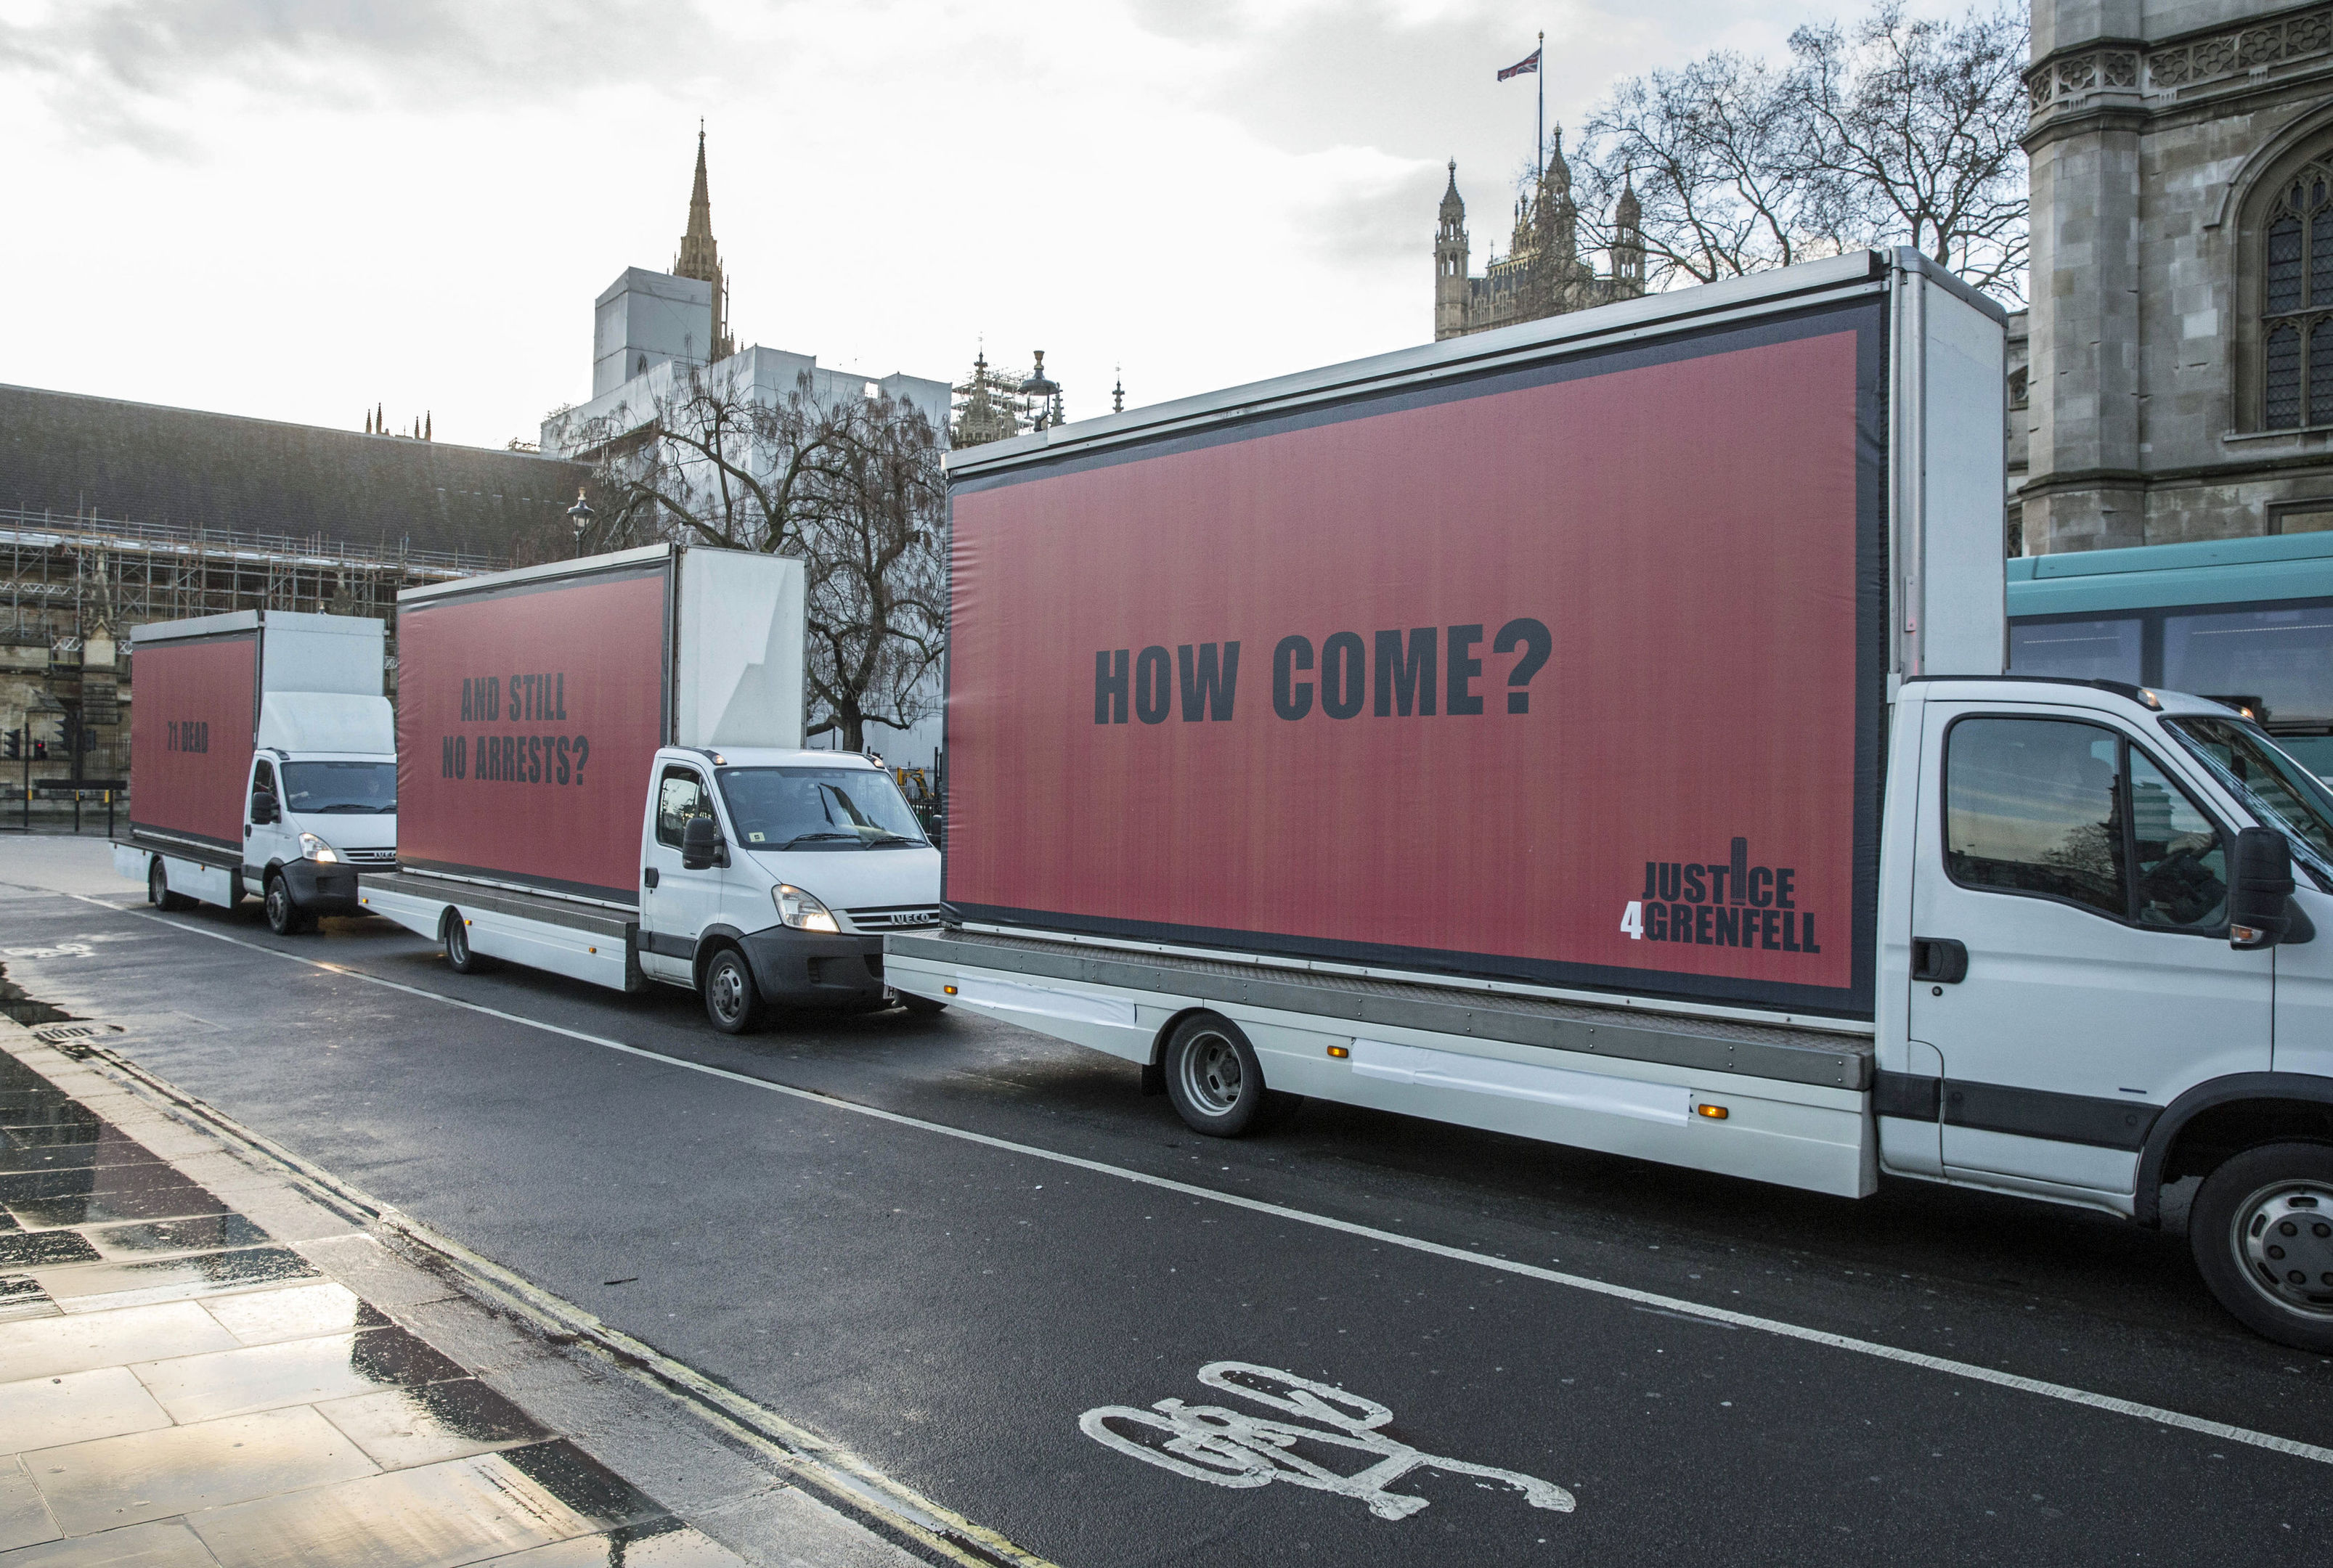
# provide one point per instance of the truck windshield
(352, 786)
(2273, 786)
(819, 808)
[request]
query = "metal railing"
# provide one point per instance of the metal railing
(21, 525)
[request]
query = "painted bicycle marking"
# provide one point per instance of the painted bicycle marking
(1230, 1448)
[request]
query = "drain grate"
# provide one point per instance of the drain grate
(57, 1034)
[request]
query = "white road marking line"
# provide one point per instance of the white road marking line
(1679, 1304)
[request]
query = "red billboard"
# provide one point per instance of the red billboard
(527, 714)
(190, 732)
(1570, 675)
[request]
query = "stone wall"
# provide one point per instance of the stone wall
(2154, 128)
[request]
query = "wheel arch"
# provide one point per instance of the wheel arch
(1154, 1071)
(711, 940)
(2216, 1120)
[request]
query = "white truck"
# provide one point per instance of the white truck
(603, 777)
(1636, 772)
(263, 759)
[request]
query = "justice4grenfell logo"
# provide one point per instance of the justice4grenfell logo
(1726, 902)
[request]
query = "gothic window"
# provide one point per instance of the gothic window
(2296, 301)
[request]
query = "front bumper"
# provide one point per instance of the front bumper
(815, 969)
(323, 889)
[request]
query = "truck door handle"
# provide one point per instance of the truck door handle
(650, 877)
(1939, 958)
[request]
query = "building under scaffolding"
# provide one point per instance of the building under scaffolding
(75, 586)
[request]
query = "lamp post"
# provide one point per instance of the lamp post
(1047, 393)
(581, 514)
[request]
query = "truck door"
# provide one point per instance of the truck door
(2070, 957)
(265, 842)
(675, 904)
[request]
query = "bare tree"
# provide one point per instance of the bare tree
(878, 576)
(1716, 154)
(1921, 120)
(851, 486)
(1889, 131)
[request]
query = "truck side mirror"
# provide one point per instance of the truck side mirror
(2260, 888)
(700, 843)
(262, 808)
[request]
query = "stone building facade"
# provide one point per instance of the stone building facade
(1542, 272)
(2181, 376)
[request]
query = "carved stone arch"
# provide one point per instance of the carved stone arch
(2282, 328)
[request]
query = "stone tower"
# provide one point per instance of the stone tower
(1543, 273)
(1450, 262)
(1627, 247)
(700, 258)
(2181, 387)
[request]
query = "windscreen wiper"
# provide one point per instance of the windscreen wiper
(814, 838)
(896, 839)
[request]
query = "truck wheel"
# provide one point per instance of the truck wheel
(922, 1006)
(2262, 1231)
(732, 1000)
(157, 888)
(1216, 1083)
(284, 918)
(455, 932)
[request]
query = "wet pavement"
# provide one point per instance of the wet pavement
(179, 1387)
(979, 1260)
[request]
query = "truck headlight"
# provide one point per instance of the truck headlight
(314, 848)
(803, 911)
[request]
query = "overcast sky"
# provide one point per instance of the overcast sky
(298, 208)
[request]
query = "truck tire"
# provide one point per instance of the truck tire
(284, 918)
(732, 1000)
(1215, 1081)
(455, 932)
(157, 888)
(2263, 1231)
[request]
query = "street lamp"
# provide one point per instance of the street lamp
(581, 514)
(1047, 393)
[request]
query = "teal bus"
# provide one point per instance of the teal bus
(2246, 621)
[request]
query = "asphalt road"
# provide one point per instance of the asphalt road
(950, 1307)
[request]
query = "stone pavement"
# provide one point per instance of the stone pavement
(202, 1364)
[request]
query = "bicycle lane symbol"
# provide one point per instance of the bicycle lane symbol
(1225, 1447)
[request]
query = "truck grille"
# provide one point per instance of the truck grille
(895, 919)
(369, 856)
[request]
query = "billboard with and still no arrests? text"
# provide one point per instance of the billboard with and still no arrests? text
(526, 718)
(1567, 675)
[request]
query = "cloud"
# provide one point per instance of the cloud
(146, 72)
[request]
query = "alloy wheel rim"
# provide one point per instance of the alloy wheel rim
(2283, 1241)
(1212, 1075)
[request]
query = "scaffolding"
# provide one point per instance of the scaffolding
(76, 586)
(69, 577)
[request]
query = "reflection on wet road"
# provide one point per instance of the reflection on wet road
(179, 1388)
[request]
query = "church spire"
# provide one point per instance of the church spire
(700, 257)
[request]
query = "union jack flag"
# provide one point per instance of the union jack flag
(1527, 66)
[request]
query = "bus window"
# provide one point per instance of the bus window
(2283, 657)
(2105, 650)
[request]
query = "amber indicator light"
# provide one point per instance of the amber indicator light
(1340, 1051)
(1714, 1112)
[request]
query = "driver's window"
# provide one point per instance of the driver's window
(2181, 861)
(2070, 811)
(262, 778)
(680, 796)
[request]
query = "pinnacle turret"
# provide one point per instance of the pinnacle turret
(700, 256)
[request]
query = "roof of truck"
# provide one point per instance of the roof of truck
(773, 757)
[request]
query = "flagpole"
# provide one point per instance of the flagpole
(1538, 150)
